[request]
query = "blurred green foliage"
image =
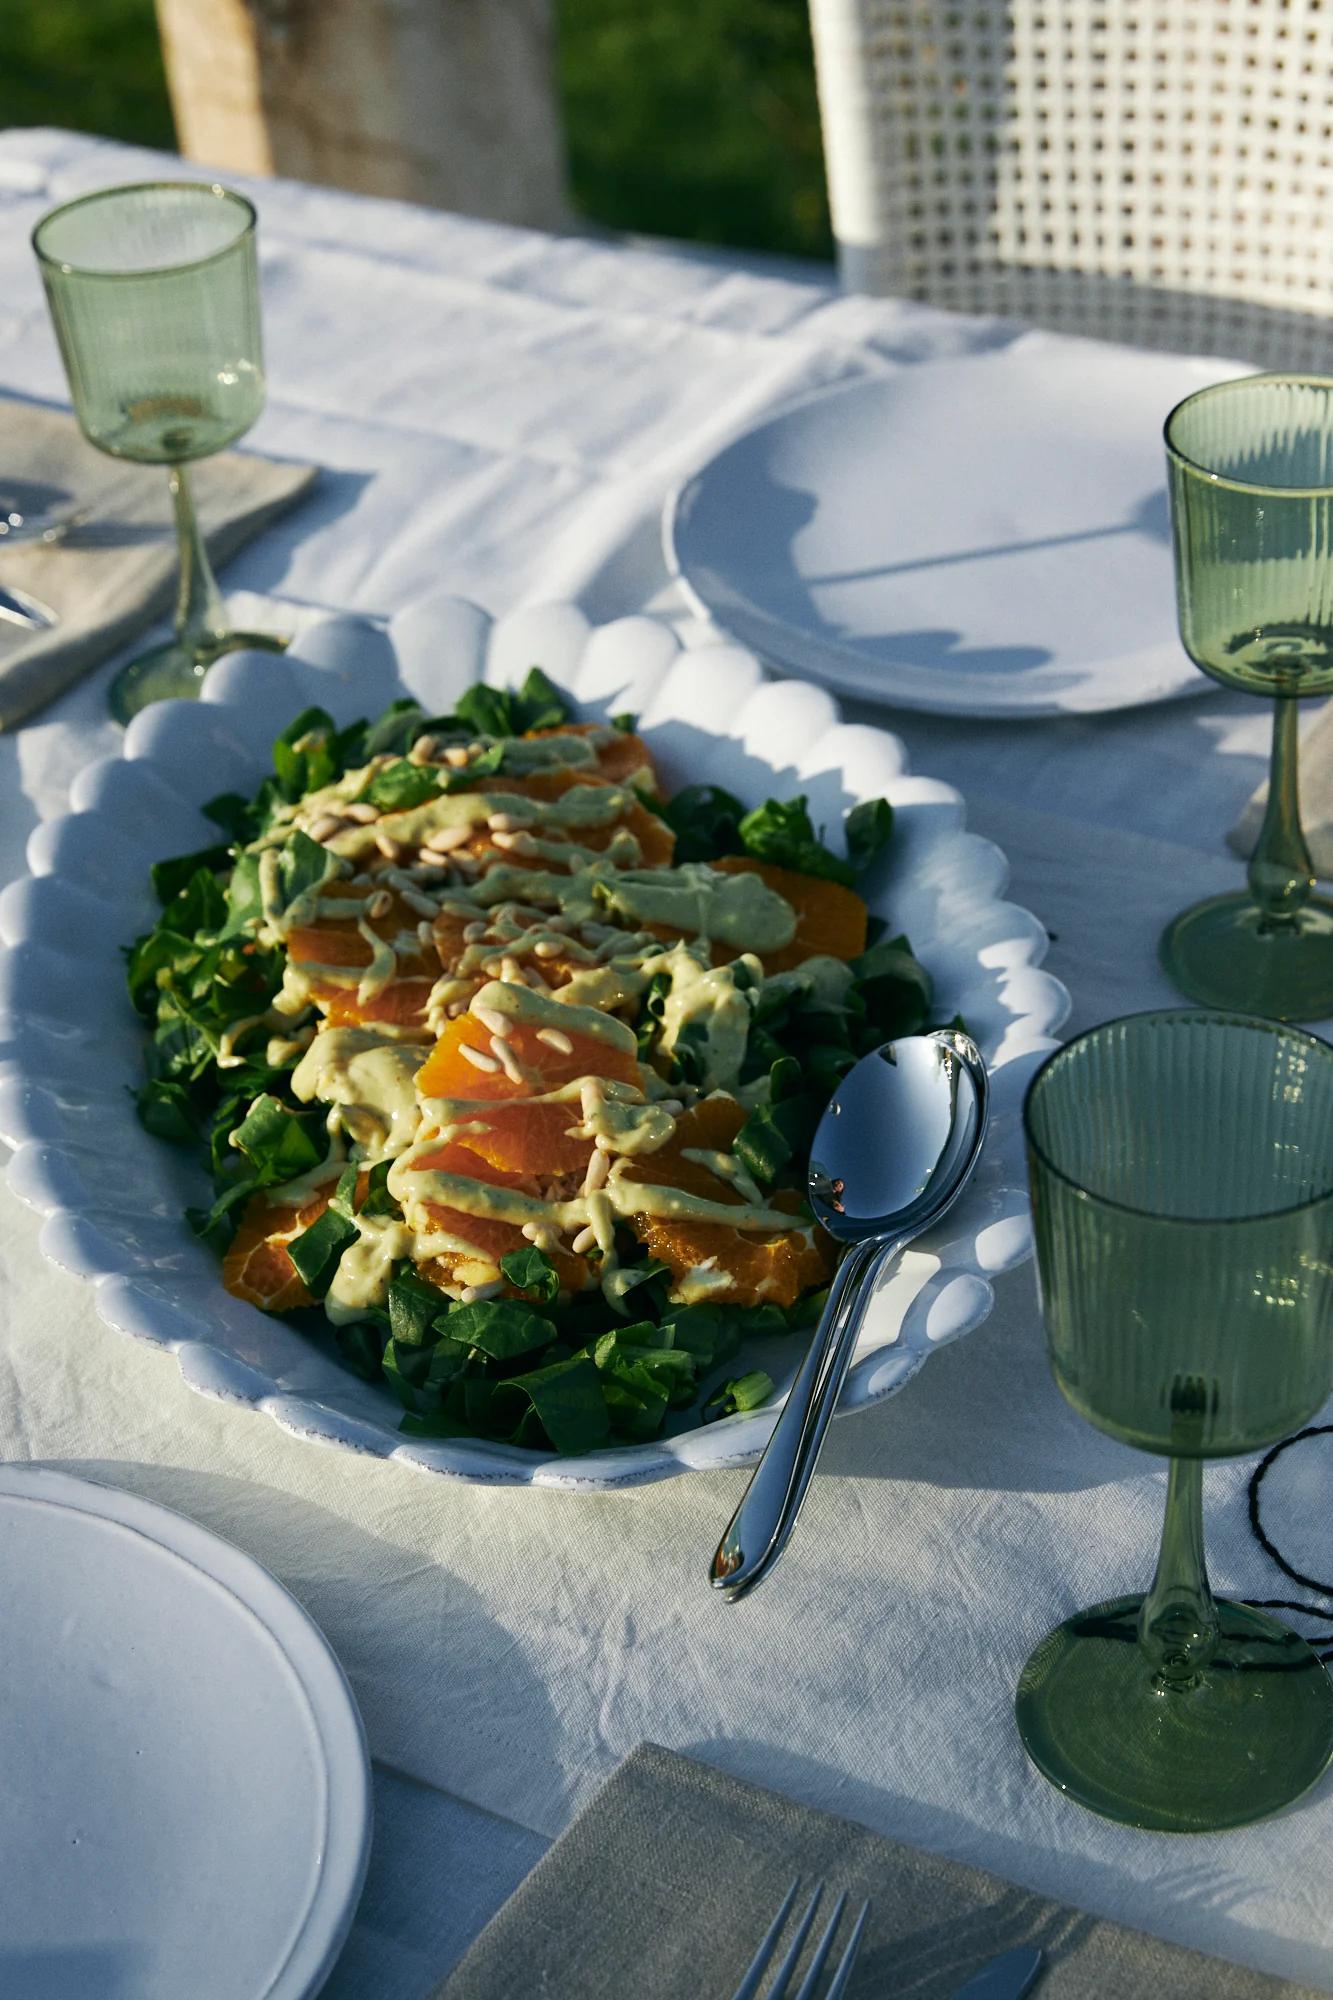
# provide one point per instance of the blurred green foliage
(91, 65)
(695, 119)
(686, 118)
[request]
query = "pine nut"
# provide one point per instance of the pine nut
(447, 838)
(498, 1024)
(599, 1166)
(546, 948)
(456, 756)
(556, 1038)
(474, 933)
(477, 1059)
(583, 1241)
(471, 1293)
(326, 826)
(360, 813)
(414, 899)
(509, 1062)
(391, 849)
(379, 905)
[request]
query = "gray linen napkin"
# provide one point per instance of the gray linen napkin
(664, 1885)
(115, 573)
(1316, 798)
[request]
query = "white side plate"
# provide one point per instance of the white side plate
(986, 536)
(70, 1044)
(187, 1796)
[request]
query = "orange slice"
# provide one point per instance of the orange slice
(489, 1237)
(770, 1268)
(447, 1072)
(830, 919)
(257, 1268)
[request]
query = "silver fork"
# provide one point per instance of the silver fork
(842, 1971)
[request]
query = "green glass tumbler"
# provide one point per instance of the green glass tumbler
(1181, 1167)
(1250, 471)
(154, 293)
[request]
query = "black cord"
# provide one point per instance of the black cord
(1274, 1553)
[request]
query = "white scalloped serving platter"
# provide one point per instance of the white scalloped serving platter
(70, 1045)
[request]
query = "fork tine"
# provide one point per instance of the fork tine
(822, 1950)
(749, 1986)
(796, 1947)
(842, 1974)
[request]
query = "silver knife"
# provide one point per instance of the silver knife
(1007, 1977)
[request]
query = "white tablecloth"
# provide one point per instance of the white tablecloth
(503, 412)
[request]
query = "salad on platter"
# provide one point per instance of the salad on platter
(505, 1066)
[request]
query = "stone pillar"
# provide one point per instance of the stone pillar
(449, 102)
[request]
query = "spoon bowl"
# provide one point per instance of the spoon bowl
(893, 1151)
(899, 1137)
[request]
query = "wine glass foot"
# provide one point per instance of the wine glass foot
(1221, 953)
(175, 672)
(1252, 1732)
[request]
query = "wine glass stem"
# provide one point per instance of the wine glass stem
(1178, 1619)
(199, 615)
(1281, 873)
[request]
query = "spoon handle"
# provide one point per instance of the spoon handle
(761, 1526)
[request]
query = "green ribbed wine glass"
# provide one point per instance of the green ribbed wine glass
(1250, 469)
(1182, 1194)
(154, 291)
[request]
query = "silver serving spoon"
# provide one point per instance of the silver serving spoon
(893, 1151)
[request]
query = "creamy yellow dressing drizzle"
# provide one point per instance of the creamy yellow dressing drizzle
(366, 1076)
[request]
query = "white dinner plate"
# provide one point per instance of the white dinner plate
(71, 1047)
(186, 1791)
(984, 536)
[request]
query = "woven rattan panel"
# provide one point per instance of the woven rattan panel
(1151, 171)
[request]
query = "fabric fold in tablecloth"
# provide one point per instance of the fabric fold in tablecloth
(665, 1883)
(114, 572)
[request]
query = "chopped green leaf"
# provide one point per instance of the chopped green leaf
(402, 786)
(414, 1308)
(894, 987)
(233, 813)
(317, 1251)
(644, 1285)
(746, 1392)
(869, 828)
(706, 821)
(500, 1328)
(165, 1109)
(304, 758)
(170, 877)
(626, 722)
(781, 831)
(487, 710)
(361, 1345)
(378, 1200)
(531, 1272)
(567, 1400)
(344, 1195)
(540, 703)
(276, 1141)
(395, 732)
